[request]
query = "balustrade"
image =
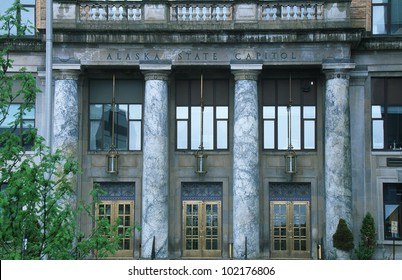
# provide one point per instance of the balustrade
(195, 12)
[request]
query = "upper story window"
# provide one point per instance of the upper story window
(386, 17)
(25, 15)
(386, 113)
(19, 126)
(275, 94)
(127, 114)
(215, 118)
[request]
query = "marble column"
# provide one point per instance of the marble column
(337, 157)
(245, 165)
(155, 180)
(65, 111)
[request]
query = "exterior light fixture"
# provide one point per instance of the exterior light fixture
(200, 155)
(113, 155)
(290, 156)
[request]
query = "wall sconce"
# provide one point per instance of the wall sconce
(113, 155)
(200, 155)
(290, 156)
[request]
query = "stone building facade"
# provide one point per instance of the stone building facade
(249, 78)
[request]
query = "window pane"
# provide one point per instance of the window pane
(208, 129)
(222, 135)
(376, 112)
(268, 112)
(282, 128)
(396, 17)
(379, 20)
(394, 123)
(309, 112)
(392, 214)
(378, 134)
(296, 133)
(309, 134)
(195, 127)
(135, 111)
(222, 112)
(28, 124)
(181, 113)
(135, 135)
(269, 135)
(95, 111)
(95, 135)
(121, 127)
(182, 135)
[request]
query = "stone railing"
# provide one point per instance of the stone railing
(292, 11)
(200, 11)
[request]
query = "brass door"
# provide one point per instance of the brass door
(120, 213)
(290, 229)
(202, 229)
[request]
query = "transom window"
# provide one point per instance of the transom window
(275, 116)
(127, 114)
(386, 17)
(392, 194)
(215, 118)
(386, 113)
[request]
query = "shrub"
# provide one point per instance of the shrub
(367, 239)
(343, 237)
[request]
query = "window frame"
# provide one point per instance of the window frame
(191, 105)
(134, 97)
(385, 119)
(388, 21)
(19, 130)
(392, 201)
(277, 106)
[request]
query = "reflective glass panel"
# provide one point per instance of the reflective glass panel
(135, 135)
(379, 20)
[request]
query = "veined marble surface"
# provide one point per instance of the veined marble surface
(65, 116)
(338, 180)
(155, 170)
(245, 170)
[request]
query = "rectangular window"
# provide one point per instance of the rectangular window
(302, 114)
(386, 17)
(25, 15)
(22, 127)
(392, 195)
(127, 115)
(386, 113)
(215, 114)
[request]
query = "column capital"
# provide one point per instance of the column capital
(337, 69)
(156, 70)
(156, 75)
(66, 71)
(245, 73)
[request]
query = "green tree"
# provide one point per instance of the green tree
(38, 206)
(367, 243)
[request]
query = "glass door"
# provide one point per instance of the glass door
(290, 229)
(202, 229)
